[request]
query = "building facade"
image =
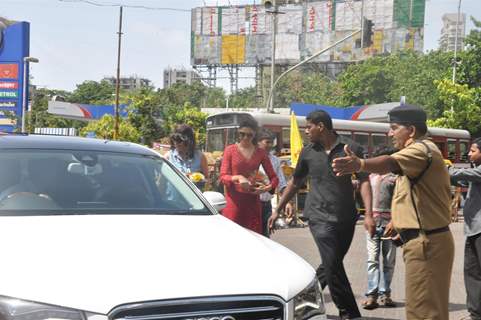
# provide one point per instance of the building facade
(129, 83)
(172, 76)
(447, 42)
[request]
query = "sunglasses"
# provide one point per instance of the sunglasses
(245, 134)
(179, 138)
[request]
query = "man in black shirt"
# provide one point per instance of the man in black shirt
(330, 206)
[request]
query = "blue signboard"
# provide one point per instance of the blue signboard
(303, 109)
(14, 46)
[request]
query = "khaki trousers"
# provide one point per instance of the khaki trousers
(429, 262)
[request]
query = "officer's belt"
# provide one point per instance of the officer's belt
(409, 234)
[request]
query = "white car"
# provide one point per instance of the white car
(95, 230)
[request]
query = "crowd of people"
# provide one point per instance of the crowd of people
(406, 195)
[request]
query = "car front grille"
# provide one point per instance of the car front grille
(215, 308)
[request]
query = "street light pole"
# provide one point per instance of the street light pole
(309, 59)
(26, 61)
(117, 87)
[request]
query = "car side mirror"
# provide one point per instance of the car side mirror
(216, 199)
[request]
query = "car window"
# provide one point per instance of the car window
(91, 182)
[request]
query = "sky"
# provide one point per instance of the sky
(76, 41)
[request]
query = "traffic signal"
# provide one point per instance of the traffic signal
(367, 33)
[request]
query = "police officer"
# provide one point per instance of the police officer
(420, 210)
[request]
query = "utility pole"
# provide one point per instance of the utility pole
(456, 42)
(272, 8)
(117, 87)
(270, 107)
(362, 23)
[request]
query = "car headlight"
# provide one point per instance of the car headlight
(309, 303)
(16, 309)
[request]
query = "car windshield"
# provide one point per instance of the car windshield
(49, 182)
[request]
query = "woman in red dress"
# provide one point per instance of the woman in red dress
(238, 172)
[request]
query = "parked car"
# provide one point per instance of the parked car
(102, 230)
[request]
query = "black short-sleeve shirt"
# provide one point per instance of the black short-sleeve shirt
(330, 198)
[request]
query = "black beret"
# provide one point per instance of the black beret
(407, 114)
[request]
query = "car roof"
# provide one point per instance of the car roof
(45, 142)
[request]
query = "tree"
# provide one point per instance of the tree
(306, 86)
(387, 78)
(93, 92)
(461, 107)
(469, 71)
(145, 114)
(189, 115)
(104, 128)
(244, 98)
(197, 94)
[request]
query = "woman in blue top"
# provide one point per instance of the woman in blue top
(184, 154)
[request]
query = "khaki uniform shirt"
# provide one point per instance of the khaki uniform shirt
(431, 193)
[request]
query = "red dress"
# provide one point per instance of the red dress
(242, 207)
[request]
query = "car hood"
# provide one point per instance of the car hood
(96, 262)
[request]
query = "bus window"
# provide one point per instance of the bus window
(442, 147)
(463, 151)
(379, 141)
(231, 136)
(224, 119)
(215, 140)
(452, 150)
(286, 137)
(345, 134)
(362, 139)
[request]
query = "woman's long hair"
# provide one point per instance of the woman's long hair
(184, 134)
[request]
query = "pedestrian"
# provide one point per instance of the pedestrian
(266, 141)
(472, 229)
(239, 174)
(420, 209)
(185, 155)
(330, 206)
(380, 250)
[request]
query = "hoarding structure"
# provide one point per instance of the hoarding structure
(242, 35)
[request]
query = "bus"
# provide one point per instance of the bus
(222, 131)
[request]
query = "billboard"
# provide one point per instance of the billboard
(243, 34)
(14, 46)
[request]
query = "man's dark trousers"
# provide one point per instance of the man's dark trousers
(472, 275)
(333, 241)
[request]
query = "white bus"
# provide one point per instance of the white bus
(222, 131)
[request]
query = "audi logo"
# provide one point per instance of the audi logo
(212, 318)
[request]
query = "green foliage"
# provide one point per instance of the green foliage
(195, 94)
(244, 98)
(305, 86)
(104, 129)
(461, 107)
(93, 92)
(469, 71)
(145, 113)
(387, 78)
(187, 114)
(155, 113)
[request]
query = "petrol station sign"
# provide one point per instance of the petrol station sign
(13, 49)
